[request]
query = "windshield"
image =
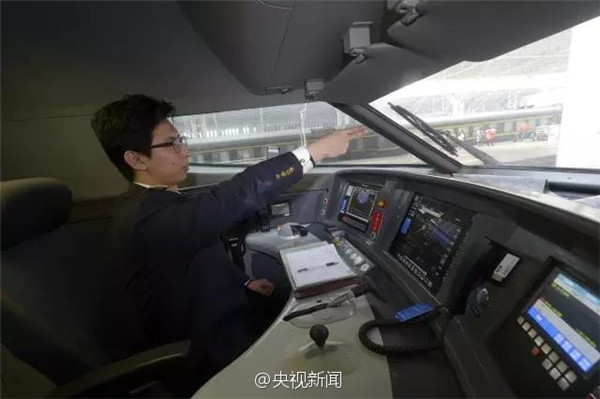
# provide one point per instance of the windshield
(534, 106)
(248, 136)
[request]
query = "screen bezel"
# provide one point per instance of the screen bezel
(457, 248)
(341, 213)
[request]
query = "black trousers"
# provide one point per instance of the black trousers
(239, 330)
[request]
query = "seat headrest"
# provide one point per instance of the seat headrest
(31, 207)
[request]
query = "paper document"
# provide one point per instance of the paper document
(316, 265)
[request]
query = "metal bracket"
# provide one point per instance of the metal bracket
(357, 38)
(312, 88)
(407, 9)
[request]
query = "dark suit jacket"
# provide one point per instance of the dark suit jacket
(182, 279)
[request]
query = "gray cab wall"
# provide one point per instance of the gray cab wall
(65, 148)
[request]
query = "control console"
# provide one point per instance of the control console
(554, 339)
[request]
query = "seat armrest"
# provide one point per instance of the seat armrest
(127, 377)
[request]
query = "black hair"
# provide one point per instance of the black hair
(127, 124)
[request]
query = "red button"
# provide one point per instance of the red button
(376, 221)
(535, 351)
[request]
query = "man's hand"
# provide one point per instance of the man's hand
(334, 144)
(262, 286)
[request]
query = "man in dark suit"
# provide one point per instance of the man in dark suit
(184, 283)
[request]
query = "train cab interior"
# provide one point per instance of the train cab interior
(467, 217)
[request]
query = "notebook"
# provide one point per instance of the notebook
(314, 268)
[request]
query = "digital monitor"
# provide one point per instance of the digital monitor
(429, 237)
(569, 314)
(357, 205)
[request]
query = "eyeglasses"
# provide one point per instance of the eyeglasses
(178, 144)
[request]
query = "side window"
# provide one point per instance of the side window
(248, 136)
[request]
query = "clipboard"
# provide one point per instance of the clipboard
(317, 277)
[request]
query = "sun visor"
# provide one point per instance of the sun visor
(276, 46)
(245, 35)
(480, 30)
(381, 69)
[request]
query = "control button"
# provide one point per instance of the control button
(546, 349)
(553, 357)
(539, 340)
(526, 326)
(546, 364)
(382, 203)
(348, 251)
(561, 366)
(571, 376)
(376, 220)
(554, 373)
(532, 333)
(365, 267)
(535, 351)
(563, 384)
(353, 256)
(520, 320)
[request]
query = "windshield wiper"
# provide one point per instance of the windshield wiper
(442, 138)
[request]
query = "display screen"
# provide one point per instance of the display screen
(569, 314)
(428, 238)
(357, 205)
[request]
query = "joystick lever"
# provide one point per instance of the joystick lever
(319, 334)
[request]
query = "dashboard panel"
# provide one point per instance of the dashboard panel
(498, 262)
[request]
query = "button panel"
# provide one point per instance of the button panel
(351, 256)
(557, 369)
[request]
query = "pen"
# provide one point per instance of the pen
(305, 269)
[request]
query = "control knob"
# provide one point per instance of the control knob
(319, 334)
